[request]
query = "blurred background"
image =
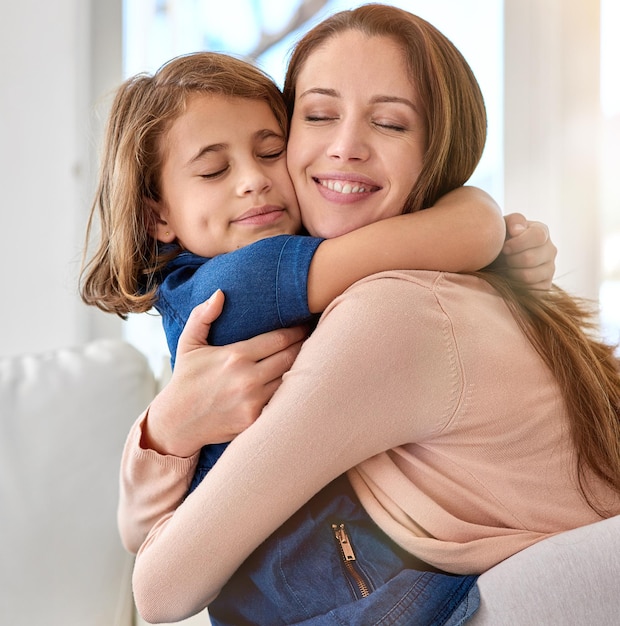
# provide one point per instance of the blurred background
(548, 68)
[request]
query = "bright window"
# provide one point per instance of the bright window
(610, 166)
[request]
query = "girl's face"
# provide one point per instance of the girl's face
(357, 136)
(224, 182)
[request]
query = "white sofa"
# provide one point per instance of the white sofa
(64, 416)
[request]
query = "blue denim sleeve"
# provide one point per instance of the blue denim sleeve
(265, 284)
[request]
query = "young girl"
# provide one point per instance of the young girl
(194, 196)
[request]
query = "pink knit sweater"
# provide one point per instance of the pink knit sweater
(424, 385)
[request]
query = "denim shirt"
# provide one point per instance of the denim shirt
(265, 284)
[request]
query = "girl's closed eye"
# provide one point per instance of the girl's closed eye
(273, 155)
(215, 173)
(271, 147)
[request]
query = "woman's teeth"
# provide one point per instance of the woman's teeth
(340, 187)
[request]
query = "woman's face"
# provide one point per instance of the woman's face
(357, 134)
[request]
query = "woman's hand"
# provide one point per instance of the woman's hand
(529, 254)
(216, 392)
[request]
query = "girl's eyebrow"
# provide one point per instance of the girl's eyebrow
(268, 133)
(263, 133)
(333, 93)
(215, 147)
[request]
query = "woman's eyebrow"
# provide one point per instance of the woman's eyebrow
(396, 99)
(322, 91)
(380, 99)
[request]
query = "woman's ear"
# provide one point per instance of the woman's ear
(158, 226)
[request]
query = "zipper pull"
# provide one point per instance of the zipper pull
(343, 539)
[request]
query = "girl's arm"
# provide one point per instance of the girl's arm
(464, 231)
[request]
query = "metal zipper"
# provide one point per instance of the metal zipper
(348, 558)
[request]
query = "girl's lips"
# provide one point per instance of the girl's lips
(260, 216)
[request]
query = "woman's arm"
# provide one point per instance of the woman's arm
(151, 485)
(463, 231)
(248, 371)
(213, 392)
(348, 414)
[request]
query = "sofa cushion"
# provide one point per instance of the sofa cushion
(64, 416)
(569, 579)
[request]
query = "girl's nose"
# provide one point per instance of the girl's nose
(253, 179)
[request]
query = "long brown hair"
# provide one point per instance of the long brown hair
(559, 326)
(563, 330)
(119, 277)
(450, 97)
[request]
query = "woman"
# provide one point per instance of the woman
(427, 441)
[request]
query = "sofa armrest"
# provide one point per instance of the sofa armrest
(201, 619)
(64, 417)
(569, 579)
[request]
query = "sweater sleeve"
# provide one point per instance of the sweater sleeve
(151, 485)
(347, 397)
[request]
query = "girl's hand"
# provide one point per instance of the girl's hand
(529, 254)
(216, 392)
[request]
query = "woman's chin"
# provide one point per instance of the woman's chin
(332, 230)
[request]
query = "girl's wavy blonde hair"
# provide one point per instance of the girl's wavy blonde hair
(120, 276)
(560, 327)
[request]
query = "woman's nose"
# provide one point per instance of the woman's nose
(349, 141)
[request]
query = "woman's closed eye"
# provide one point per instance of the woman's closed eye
(319, 117)
(391, 126)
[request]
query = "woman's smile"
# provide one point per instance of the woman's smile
(345, 188)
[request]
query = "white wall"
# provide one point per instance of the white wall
(51, 73)
(552, 136)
